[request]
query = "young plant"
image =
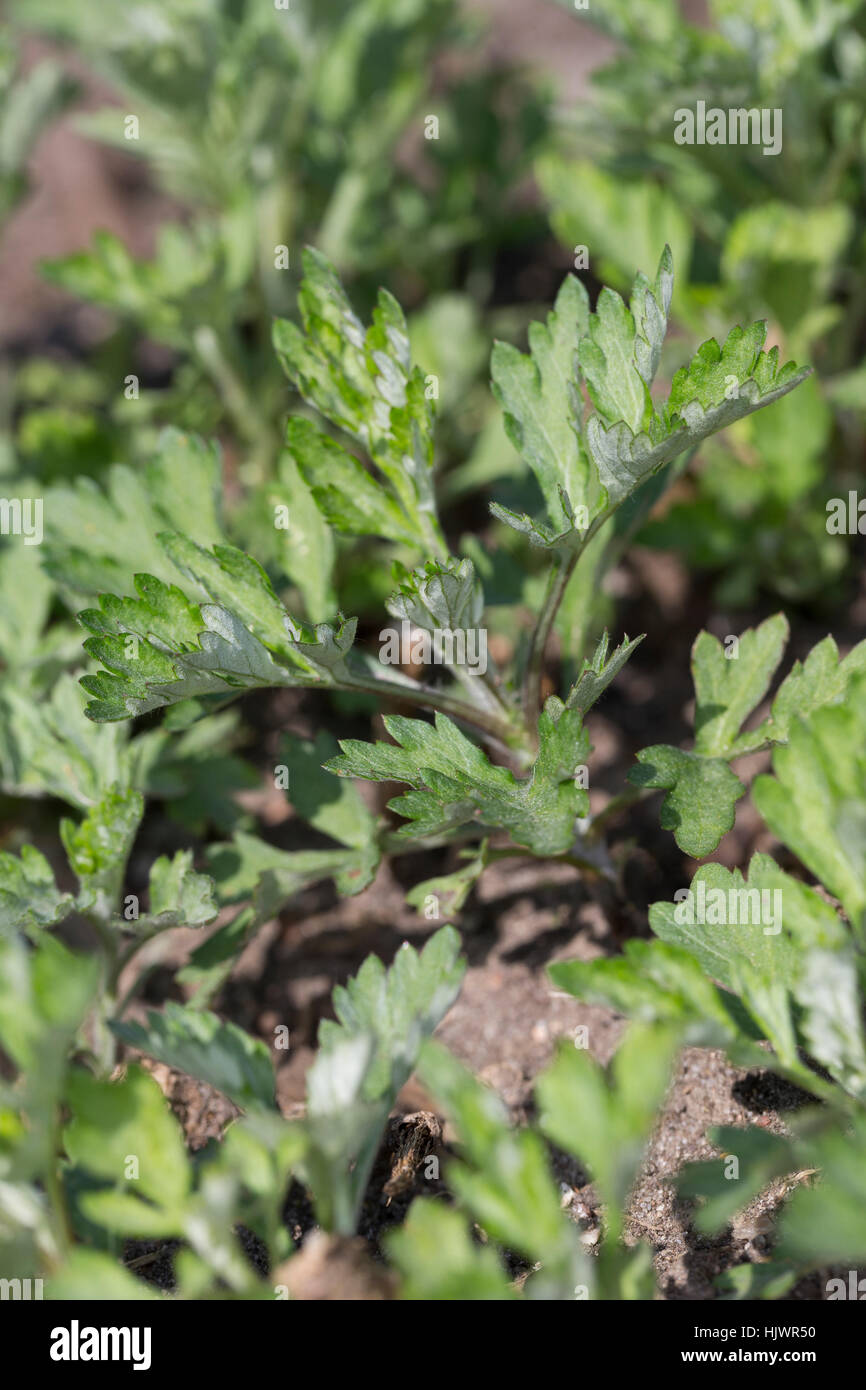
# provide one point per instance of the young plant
(88, 1162)
(209, 624)
(165, 646)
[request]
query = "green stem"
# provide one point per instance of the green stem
(561, 570)
(494, 726)
(248, 419)
(481, 690)
(586, 866)
(57, 1197)
(613, 808)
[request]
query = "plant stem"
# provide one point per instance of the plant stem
(498, 729)
(612, 809)
(481, 690)
(57, 1199)
(576, 860)
(561, 570)
(248, 419)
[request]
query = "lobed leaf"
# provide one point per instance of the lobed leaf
(454, 782)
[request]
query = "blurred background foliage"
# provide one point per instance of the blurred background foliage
(752, 234)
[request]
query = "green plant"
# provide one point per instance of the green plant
(28, 101)
(273, 127)
(209, 625)
(779, 233)
(168, 647)
(792, 976)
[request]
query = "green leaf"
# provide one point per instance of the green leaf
(439, 1260)
(761, 1158)
(655, 982)
(448, 891)
(96, 540)
(700, 808)
(115, 1121)
(728, 918)
(211, 963)
(455, 782)
(815, 802)
(236, 582)
(398, 1007)
(30, 100)
(826, 1224)
(822, 679)
(702, 789)
(48, 747)
(179, 651)
(728, 688)
(446, 596)
(503, 1178)
(170, 295)
(650, 307)
(42, 990)
(718, 387)
(193, 770)
(25, 603)
(756, 936)
(607, 361)
(248, 865)
(92, 1275)
(348, 497)
(829, 994)
(361, 1064)
(364, 383)
(333, 805)
(204, 1046)
(342, 1131)
(179, 897)
(748, 1282)
(541, 402)
(306, 547)
(702, 794)
(44, 994)
(99, 846)
(597, 672)
(627, 220)
(606, 1120)
(29, 897)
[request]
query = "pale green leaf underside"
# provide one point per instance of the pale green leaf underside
(454, 782)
